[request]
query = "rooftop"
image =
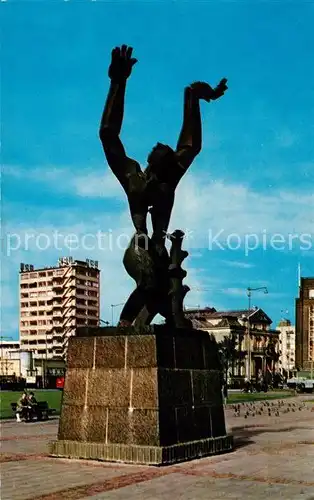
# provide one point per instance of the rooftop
(63, 262)
(213, 313)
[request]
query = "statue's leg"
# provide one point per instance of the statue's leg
(132, 307)
(140, 267)
(145, 316)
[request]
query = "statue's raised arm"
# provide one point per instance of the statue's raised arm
(120, 69)
(190, 140)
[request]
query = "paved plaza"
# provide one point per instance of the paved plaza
(273, 458)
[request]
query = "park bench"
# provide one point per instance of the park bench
(41, 410)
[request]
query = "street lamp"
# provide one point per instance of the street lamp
(249, 353)
(112, 308)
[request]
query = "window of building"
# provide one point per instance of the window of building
(58, 272)
(81, 310)
(92, 303)
(92, 322)
(92, 313)
(81, 302)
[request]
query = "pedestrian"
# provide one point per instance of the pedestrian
(22, 405)
(225, 392)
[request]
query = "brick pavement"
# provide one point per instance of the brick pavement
(274, 457)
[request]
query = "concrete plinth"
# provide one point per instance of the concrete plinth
(151, 396)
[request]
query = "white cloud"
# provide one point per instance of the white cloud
(201, 205)
(98, 185)
(202, 208)
(234, 291)
(96, 182)
(238, 264)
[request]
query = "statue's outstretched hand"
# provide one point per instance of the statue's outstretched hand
(220, 89)
(121, 63)
(204, 91)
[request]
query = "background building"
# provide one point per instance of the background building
(305, 325)
(287, 346)
(257, 352)
(10, 357)
(53, 302)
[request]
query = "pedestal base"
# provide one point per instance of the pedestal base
(151, 396)
(149, 455)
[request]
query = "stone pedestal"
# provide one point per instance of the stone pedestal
(150, 396)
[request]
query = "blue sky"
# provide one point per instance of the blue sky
(254, 175)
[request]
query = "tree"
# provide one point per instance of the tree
(271, 352)
(228, 353)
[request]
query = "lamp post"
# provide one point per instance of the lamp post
(249, 291)
(112, 308)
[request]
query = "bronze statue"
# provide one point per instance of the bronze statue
(158, 276)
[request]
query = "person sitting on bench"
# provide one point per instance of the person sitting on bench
(32, 401)
(21, 407)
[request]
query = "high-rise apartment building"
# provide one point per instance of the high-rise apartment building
(54, 301)
(305, 325)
